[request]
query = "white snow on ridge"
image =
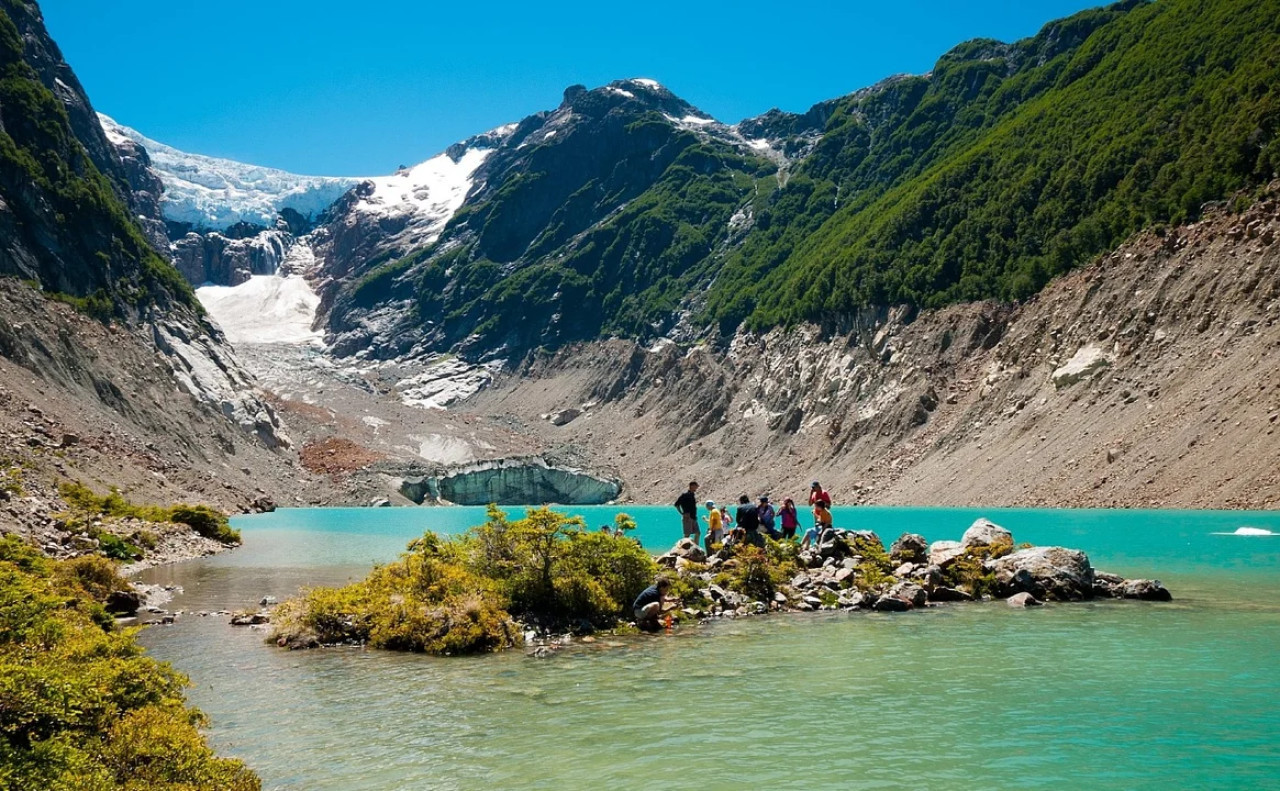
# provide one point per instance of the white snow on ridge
(216, 193)
(432, 190)
(264, 309)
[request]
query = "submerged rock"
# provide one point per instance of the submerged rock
(1147, 590)
(1023, 600)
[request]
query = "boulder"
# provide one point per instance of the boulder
(1023, 600)
(891, 604)
(124, 602)
(685, 549)
(1048, 573)
(909, 548)
(853, 598)
(943, 593)
(564, 416)
(1147, 590)
(904, 570)
(942, 553)
(910, 592)
(984, 532)
(1086, 362)
(863, 540)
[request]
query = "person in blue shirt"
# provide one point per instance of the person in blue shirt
(648, 606)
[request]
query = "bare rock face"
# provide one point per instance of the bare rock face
(1047, 573)
(1083, 364)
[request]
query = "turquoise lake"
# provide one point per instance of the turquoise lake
(1123, 695)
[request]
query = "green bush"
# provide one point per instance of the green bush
(205, 521)
(81, 705)
(461, 595)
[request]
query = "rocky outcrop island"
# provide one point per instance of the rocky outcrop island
(532, 581)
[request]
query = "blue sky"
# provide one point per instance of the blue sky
(358, 88)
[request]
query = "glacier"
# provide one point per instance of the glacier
(211, 193)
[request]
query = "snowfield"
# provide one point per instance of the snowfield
(212, 193)
(264, 309)
(432, 191)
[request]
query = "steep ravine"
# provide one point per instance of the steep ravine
(960, 406)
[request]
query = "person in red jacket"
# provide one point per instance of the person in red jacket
(816, 493)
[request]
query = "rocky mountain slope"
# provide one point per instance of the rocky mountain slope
(1144, 379)
(112, 374)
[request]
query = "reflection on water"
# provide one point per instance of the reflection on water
(1104, 695)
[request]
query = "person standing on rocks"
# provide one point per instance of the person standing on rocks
(790, 518)
(749, 521)
(687, 505)
(767, 517)
(715, 525)
(816, 494)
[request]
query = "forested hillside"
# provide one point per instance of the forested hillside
(1011, 164)
(62, 223)
(625, 212)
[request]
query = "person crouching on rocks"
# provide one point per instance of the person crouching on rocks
(821, 522)
(650, 605)
(715, 525)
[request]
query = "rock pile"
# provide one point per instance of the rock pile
(851, 569)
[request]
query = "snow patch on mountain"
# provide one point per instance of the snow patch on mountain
(264, 309)
(436, 187)
(214, 193)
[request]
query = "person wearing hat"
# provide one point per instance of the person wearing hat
(767, 517)
(715, 525)
(816, 493)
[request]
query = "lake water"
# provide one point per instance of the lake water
(1104, 695)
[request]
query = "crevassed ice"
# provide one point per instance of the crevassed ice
(216, 193)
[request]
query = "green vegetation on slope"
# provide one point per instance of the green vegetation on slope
(1010, 165)
(87, 248)
(89, 507)
(459, 596)
(81, 707)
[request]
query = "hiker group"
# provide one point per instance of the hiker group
(751, 522)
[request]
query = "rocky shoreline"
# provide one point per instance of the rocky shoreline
(846, 570)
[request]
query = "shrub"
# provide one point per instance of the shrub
(205, 521)
(458, 595)
(81, 705)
